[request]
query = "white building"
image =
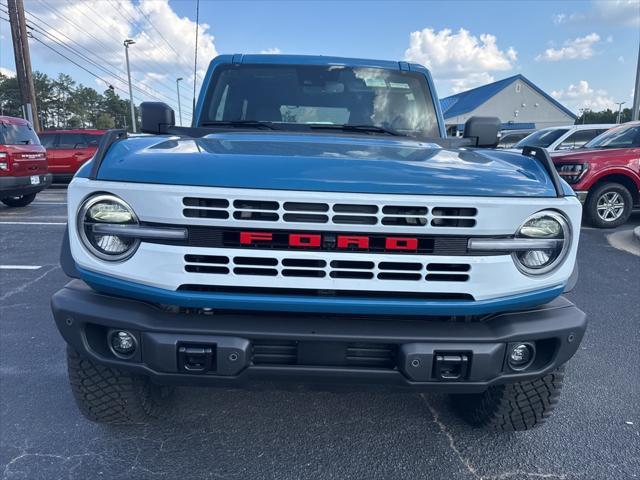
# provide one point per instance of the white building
(516, 101)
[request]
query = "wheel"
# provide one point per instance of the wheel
(513, 407)
(608, 205)
(110, 395)
(21, 201)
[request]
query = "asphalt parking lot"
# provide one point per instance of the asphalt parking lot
(594, 433)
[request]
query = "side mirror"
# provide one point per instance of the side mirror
(484, 130)
(157, 117)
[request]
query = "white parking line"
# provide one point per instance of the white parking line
(49, 203)
(20, 267)
(33, 223)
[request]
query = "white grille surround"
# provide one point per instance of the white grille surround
(166, 266)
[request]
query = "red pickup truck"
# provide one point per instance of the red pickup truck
(23, 163)
(606, 175)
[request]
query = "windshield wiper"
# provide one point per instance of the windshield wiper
(240, 123)
(357, 128)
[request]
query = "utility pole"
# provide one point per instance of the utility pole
(635, 111)
(23, 62)
(179, 107)
(619, 110)
(128, 42)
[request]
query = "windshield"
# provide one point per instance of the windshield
(17, 135)
(293, 96)
(541, 138)
(622, 137)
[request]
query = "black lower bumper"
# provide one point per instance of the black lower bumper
(18, 186)
(245, 348)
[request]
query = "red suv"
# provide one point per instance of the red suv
(67, 150)
(606, 175)
(23, 163)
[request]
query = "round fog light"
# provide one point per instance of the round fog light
(520, 356)
(123, 343)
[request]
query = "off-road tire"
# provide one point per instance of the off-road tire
(514, 407)
(591, 205)
(21, 201)
(110, 395)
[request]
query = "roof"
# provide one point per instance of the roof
(586, 126)
(468, 101)
(13, 120)
(88, 131)
(279, 59)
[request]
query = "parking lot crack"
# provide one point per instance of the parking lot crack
(26, 285)
(452, 441)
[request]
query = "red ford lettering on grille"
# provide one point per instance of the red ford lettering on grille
(345, 241)
(329, 241)
(401, 243)
(304, 240)
(250, 238)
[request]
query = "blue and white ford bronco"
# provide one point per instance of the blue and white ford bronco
(314, 225)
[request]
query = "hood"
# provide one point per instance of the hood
(318, 162)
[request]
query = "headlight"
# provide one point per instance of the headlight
(572, 172)
(107, 209)
(545, 225)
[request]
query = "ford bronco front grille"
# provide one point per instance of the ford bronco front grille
(265, 266)
(261, 211)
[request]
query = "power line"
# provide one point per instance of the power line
(159, 32)
(130, 20)
(56, 12)
(55, 38)
(95, 64)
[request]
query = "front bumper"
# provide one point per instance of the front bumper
(249, 348)
(582, 195)
(17, 186)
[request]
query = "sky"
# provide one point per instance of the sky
(583, 53)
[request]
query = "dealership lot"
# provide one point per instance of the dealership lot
(594, 433)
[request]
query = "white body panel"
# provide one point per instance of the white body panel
(163, 266)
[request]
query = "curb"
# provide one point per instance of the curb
(636, 233)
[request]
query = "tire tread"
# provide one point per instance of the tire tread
(512, 407)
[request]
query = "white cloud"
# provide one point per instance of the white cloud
(579, 48)
(623, 13)
(618, 12)
(465, 60)
(470, 81)
(163, 49)
(7, 72)
(270, 51)
(582, 95)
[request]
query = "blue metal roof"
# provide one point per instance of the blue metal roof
(468, 101)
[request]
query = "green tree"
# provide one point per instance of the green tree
(85, 105)
(9, 96)
(62, 104)
(604, 116)
(104, 121)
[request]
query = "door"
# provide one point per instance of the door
(72, 151)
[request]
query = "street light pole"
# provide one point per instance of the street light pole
(619, 110)
(179, 107)
(128, 42)
(635, 111)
